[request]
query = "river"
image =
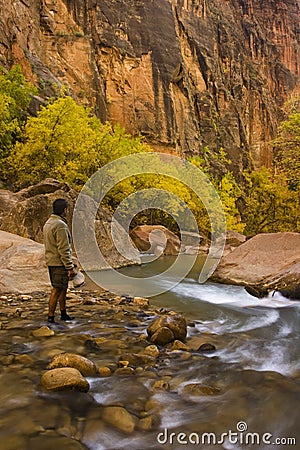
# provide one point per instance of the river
(256, 364)
(254, 374)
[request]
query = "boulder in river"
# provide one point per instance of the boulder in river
(269, 261)
(63, 379)
(86, 367)
(155, 239)
(162, 336)
(176, 324)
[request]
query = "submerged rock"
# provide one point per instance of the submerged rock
(197, 389)
(43, 332)
(120, 418)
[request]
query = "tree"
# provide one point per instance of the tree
(15, 96)
(270, 206)
(65, 141)
(287, 148)
(229, 193)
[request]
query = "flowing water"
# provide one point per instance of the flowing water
(254, 372)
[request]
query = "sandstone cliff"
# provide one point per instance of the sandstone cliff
(187, 74)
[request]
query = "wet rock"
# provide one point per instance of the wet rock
(134, 323)
(104, 372)
(91, 345)
(162, 385)
(49, 353)
(65, 378)
(43, 332)
(178, 345)
(252, 377)
(153, 406)
(292, 291)
(136, 360)
(207, 347)
(25, 298)
(185, 356)
(9, 442)
(120, 418)
(257, 291)
(48, 442)
(140, 301)
(162, 336)
(151, 350)
(114, 344)
(124, 371)
(7, 360)
(176, 323)
(147, 423)
(142, 337)
(123, 363)
(93, 427)
(197, 389)
(195, 342)
(25, 360)
(86, 367)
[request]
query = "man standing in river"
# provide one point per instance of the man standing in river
(58, 255)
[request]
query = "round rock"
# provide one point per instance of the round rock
(86, 367)
(65, 378)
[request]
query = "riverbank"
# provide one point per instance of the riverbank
(138, 389)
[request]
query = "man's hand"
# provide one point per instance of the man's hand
(72, 273)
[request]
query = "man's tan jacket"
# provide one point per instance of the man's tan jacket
(57, 241)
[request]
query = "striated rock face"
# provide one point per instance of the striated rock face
(186, 74)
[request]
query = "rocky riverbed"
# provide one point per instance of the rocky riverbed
(112, 361)
(104, 382)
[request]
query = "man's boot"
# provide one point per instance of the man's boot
(65, 316)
